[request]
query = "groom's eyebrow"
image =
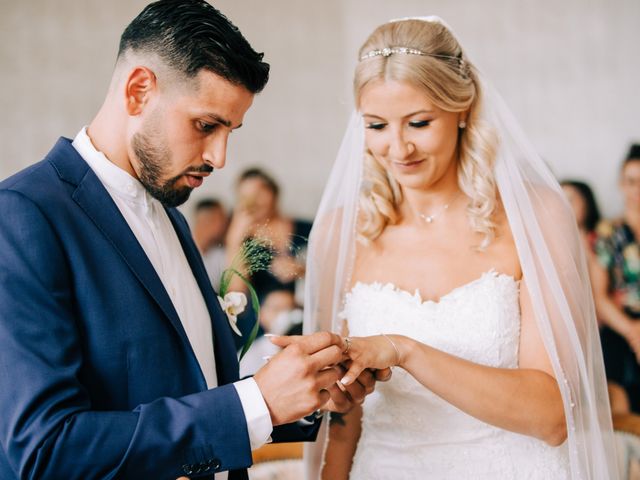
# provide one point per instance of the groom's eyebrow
(221, 120)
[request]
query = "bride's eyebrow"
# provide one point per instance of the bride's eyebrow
(418, 112)
(371, 115)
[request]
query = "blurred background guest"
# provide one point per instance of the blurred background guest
(626, 424)
(279, 315)
(616, 283)
(585, 208)
(257, 215)
(210, 221)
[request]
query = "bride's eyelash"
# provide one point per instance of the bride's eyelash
(416, 124)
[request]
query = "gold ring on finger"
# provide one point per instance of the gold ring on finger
(347, 341)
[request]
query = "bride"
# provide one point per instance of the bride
(447, 250)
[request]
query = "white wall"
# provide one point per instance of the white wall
(570, 70)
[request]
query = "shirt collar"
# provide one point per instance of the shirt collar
(117, 180)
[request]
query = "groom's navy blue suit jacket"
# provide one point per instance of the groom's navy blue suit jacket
(97, 377)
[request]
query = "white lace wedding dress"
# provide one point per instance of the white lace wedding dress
(410, 433)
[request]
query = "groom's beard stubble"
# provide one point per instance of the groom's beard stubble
(153, 156)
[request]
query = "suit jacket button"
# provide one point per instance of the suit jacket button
(215, 463)
(188, 469)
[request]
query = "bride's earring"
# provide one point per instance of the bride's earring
(462, 124)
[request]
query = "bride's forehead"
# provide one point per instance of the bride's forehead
(394, 97)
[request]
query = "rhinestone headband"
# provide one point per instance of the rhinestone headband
(385, 52)
(388, 51)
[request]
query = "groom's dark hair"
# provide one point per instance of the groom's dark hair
(191, 35)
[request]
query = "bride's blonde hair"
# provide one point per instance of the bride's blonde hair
(451, 83)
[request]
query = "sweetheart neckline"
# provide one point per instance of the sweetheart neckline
(491, 273)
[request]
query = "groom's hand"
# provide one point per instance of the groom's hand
(343, 397)
(295, 382)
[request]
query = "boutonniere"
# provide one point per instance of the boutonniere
(233, 305)
(254, 256)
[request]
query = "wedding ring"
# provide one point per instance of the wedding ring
(346, 340)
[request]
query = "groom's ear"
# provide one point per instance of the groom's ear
(141, 83)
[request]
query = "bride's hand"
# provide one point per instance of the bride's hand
(378, 352)
(344, 397)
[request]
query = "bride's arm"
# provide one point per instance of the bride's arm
(344, 433)
(526, 400)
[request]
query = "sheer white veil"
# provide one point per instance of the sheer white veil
(552, 261)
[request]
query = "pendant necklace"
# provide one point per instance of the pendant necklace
(433, 216)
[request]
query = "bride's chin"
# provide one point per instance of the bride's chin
(414, 182)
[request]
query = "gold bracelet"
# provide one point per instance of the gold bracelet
(394, 347)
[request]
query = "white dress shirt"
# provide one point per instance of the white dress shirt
(152, 227)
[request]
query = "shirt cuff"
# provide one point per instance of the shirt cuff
(255, 411)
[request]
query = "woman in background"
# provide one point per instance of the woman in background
(616, 284)
(585, 208)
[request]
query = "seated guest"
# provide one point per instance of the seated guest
(616, 285)
(210, 223)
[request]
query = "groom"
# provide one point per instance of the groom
(116, 360)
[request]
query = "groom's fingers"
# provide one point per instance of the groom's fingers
(365, 384)
(356, 392)
(328, 356)
(326, 378)
(340, 400)
(283, 340)
(313, 343)
(355, 369)
(383, 374)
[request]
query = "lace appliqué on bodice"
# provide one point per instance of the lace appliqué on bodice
(410, 433)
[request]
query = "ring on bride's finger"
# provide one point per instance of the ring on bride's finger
(347, 341)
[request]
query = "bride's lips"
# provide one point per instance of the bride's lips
(195, 179)
(408, 165)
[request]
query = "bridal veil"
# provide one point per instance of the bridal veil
(552, 261)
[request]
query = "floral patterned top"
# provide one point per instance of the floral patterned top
(618, 251)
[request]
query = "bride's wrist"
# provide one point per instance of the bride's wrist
(404, 345)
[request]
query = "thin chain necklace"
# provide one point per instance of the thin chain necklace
(433, 216)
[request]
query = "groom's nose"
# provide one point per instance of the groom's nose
(215, 150)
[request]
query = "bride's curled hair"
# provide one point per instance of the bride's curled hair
(451, 83)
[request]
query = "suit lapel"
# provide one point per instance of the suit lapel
(224, 346)
(96, 202)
